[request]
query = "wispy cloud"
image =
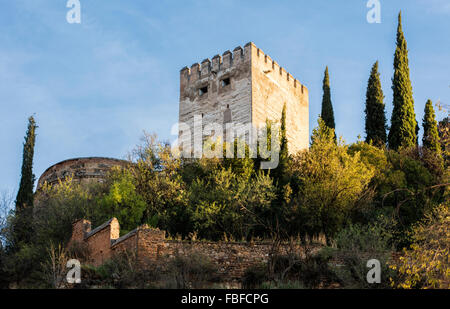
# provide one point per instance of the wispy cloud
(93, 99)
(436, 6)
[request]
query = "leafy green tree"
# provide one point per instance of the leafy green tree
(430, 129)
(406, 190)
(163, 188)
(24, 200)
(122, 201)
(404, 127)
(425, 264)
(57, 206)
(227, 204)
(370, 155)
(327, 107)
(331, 182)
(375, 114)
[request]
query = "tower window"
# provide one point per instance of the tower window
(225, 82)
(203, 90)
(227, 117)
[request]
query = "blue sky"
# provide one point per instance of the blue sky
(95, 86)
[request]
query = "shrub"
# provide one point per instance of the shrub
(356, 245)
(122, 201)
(23, 267)
(315, 271)
(330, 184)
(312, 270)
(54, 267)
(426, 263)
(124, 270)
(254, 276)
(191, 270)
(405, 188)
(79, 250)
(57, 207)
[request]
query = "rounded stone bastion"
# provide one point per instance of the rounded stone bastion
(82, 170)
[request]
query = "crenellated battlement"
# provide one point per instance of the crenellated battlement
(276, 72)
(218, 64)
(244, 85)
(249, 55)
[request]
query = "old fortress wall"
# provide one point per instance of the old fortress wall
(244, 86)
(227, 81)
(231, 258)
(82, 170)
(272, 87)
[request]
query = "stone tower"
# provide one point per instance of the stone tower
(244, 87)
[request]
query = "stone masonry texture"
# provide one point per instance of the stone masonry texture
(231, 258)
(244, 86)
(81, 169)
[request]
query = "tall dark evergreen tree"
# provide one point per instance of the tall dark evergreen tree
(430, 138)
(404, 127)
(444, 136)
(375, 113)
(284, 151)
(327, 107)
(24, 200)
(280, 171)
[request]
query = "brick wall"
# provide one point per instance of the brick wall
(231, 258)
(99, 240)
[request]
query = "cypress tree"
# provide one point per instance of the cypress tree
(430, 129)
(284, 152)
(24, 199)
(444, 137)
(280, 171)
(25, 194)
(404, 127)
(264, 145)
(375, 114)
(327, 107)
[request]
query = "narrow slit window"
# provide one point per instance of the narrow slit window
(226, 82)
(203, 90)
(227, 117)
